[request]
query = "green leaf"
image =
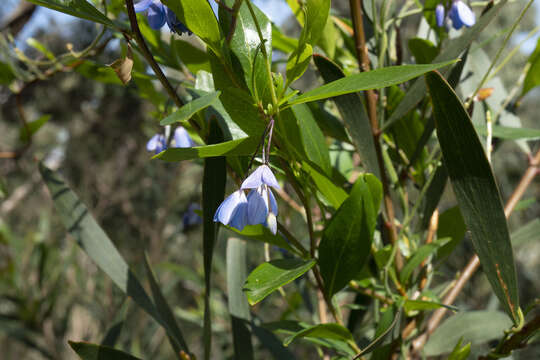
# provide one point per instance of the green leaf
(510, 133)
(451, 225)
(454, 48)
(317, 12)
(346, 241)
(282, 42)
(194, 58)
(94, 71)
(476, 191)
(40, 47)
(88, 351)
(272, 343)
(375, 79)
(245, 45)
(324, 331)
(238, 305)
(213, 185)
(420, 255)
(272, 275)
(6, 74)
(97, 245)
(532, 78)
(424, 51)
(415, 305)
(334, 194)
(261, 233)
(298, 62)
(191, 108)
(527, 233)
(31, 128)
(240, 147)
(164, 310)
(199, 17)
(460, 353)
(78, 8)
(475, 326)
(354, 116)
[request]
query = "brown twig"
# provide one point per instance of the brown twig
(474, 262)
(371, 101)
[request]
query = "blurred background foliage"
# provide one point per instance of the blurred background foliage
(51, 292)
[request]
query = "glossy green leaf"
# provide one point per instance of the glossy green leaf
(164, 310)
(238, 305)
(239, 147)
(334, 194)
(213, 193)
(346, 241)
(282, 42)
(194, 58)
(375, 79)
(245, 45)
(191, 108)
(529, 232)
(97, 245)
(415, 305)
(199, 17)
(298, 62)
(325, 331)
(451, 225)
(453, 50)
(78, 8)
(532, 78)
(88, 351)
(476, 191)
(317, 12)
(419, 256)
(424, 51)
(510, 133)
(354, 116)
(270, 276)
(31, 128)
(261, 233)
(475, 327)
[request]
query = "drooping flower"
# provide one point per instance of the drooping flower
(261, 202)
(439, 15)
(461, 15)
(233, 211)
(262, 175)
(182, 139)
(159, 14)
(157, 143)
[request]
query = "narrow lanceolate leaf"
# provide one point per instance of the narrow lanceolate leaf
(93, 240)
(239, 147)
(476, 191)
(198, 17)
(78, 8)
(354, 115)
(346, 241)
(238, 305)
(272, 275)
(510, 133)
(376, 79)
(455, 47)
(324, 331)
(419, 256)
(88, 351)
(164, 309)
(532, 78)
(214, 181)
(191, 108)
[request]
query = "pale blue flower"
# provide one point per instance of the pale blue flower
(158, 14)
(461, 15)
(262, 208)
(182, 139)
(233, 211)
(157, 143)
(191, 218)
(439, 15)
(262, 175)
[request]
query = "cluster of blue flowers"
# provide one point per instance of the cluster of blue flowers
(259, 207)
(181, 139)
(158, 14)
(460, 15)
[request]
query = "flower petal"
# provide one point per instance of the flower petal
(156, 15)
(271, 223)
(261, 175)
(142, 5)
(239, 217)
(273, 203)
(268, 177)
(174, 24)
(157, 143)
(226, 210)
(182, 138)
(257, 209)
(439, 15)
